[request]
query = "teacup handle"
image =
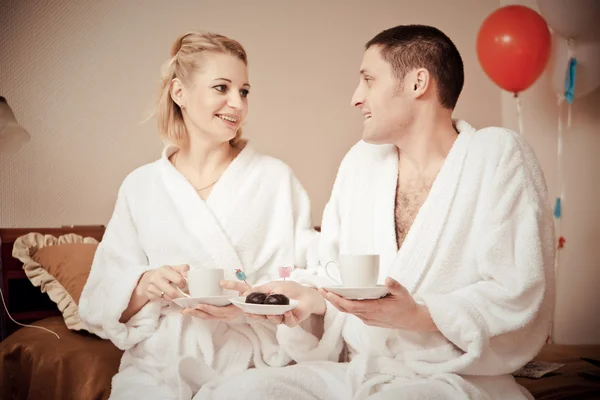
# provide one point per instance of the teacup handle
(327, 271)
(181, 291)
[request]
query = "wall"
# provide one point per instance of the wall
(81, 76)
(578, 274)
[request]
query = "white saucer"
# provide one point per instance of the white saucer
(359, 293)
(218, 301)
(263, 309)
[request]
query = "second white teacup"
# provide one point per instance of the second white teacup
(204, 283)
(356, 270)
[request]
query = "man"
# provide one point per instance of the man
(465, 235)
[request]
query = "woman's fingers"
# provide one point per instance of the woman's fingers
(197, 313)
(171, 274)
(223, 313)
(155, 292)
(168, 288)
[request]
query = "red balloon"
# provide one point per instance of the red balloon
(513, 47)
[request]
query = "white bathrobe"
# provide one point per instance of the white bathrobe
(479, 255)
(256, 218)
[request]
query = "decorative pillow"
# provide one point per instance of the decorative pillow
(59, 266)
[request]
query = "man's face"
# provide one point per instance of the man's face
(384, 101)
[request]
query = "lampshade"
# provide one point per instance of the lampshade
(12, 135)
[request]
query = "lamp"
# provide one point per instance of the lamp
(12, 135)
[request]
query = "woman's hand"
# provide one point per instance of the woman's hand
(227, 313)
(206, 311)
(160, 283)
(156, 284)
(310, 302)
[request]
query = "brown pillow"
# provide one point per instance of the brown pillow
(59, 266)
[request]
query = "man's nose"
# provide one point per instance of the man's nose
(358, 97)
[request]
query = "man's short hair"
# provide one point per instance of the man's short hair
(407, 47)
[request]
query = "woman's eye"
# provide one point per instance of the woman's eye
(221, 88)
(244, 92)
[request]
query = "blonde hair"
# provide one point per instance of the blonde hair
(184, 62)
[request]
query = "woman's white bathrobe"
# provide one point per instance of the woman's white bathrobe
(256, 218)
(479, 255)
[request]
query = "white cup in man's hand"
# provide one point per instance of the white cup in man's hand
(204, 282)
(355, 270)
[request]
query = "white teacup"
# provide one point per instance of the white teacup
(361, 270)
(204, 283)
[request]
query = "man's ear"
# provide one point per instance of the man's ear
(421, 82)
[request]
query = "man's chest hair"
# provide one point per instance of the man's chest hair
(411, 193)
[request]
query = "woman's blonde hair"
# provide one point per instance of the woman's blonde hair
(184, 62)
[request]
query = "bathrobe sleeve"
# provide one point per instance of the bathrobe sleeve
(305, 237)
(500, 322)
(118, 265)
(325, 246)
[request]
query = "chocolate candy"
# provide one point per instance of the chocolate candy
(272, 299)
(256, 298)
(277, 299)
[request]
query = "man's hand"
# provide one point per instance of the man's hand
(241, 287)
(310, 302)
(398, 310)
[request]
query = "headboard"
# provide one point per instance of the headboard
(28, 303)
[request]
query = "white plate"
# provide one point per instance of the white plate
(218, 301)
(263, 309)
(359, 293)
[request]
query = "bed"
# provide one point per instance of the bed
(36, 365)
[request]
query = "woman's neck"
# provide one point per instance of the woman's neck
(204, 165)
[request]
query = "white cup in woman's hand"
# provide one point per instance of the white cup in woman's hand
(203, 283)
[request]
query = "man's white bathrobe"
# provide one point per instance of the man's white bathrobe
(479, 255)
(256, 218)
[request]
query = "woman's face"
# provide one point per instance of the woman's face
(215, 101)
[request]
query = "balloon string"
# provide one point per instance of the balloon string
(559, 151)
(24, 325)
(519, 113)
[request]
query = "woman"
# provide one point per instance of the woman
(210, 201)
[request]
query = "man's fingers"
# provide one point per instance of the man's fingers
(336, 305)
(257, 317)
(340, 303)
(240, 287)
(266, 287)
(276, 319)
(290, 319)
(372, 322)
(395, 287)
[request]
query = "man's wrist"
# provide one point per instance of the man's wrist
(319, 306)
(422, 321)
